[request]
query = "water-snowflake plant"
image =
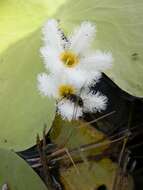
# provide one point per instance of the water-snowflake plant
(73, 66)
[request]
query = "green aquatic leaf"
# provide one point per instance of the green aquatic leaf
(16, 173)
(23, 111)
(119, 30)
(19, 18)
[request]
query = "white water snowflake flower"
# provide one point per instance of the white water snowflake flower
(69, 110)
(94, 102)
(73, 67)
(73, 55)
(91, 103)
(56, 86)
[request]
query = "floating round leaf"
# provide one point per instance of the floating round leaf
(23, 111)
(18, 19)
(16, 173)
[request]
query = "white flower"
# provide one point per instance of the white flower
(73, 67)
(91, 103)
(94, 102)
(57, 86)
(73, 56)
(69, 110)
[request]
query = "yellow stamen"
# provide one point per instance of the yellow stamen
(66, 90)
(69, 59)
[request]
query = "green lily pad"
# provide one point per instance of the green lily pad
(119, 30)
(16, 173)
(19, 18)
(23, 111)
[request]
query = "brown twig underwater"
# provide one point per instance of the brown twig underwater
(61, 153)
(57, 152)
(102, 117)
(61, 150)
(43, 159)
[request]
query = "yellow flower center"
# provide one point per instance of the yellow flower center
(66, 90)
(69, 59)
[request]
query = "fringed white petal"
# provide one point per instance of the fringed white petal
(51, 59)
(76, 77)
(68, 110)
(93, 77)
(82, 37)
(94, 102)
(81, 78)
(98, 61)
(47, 85)
(52, 35)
